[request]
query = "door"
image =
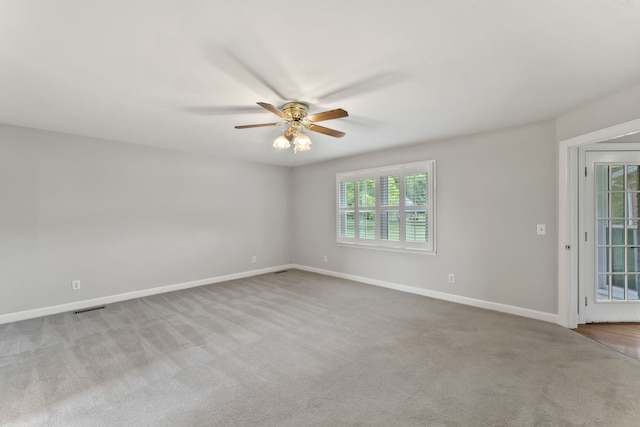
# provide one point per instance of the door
(611, 212)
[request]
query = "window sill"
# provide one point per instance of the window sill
(388, 248)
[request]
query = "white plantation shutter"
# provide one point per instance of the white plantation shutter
(346, 208)
(390, 195)
(390, 207)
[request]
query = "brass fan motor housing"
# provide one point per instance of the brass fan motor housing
(295, 110)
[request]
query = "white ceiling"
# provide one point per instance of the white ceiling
(165, 73)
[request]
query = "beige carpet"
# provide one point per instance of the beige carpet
(301, 349)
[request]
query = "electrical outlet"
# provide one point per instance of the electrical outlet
(452, 278)
(75, 285)
(326, 259)
(254, 259)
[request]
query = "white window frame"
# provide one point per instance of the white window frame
(428, 247)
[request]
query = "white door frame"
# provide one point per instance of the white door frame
(568, 215)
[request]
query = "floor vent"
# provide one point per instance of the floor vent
(280, 272)
(84, 310)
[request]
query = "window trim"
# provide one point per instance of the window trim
(427, 248)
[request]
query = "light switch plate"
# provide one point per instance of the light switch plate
(541, 229)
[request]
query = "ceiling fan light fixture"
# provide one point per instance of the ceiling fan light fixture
(281, 143)
(296, 120)
(301, 142)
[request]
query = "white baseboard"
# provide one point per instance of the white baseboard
(504, 308)
(79, 305)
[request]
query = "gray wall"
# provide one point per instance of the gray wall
(492, 190)
(617, 108)
(122, 218)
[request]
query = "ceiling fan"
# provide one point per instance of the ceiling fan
(296, 120)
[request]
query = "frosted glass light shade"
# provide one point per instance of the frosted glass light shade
(281, 143)
(301, 142)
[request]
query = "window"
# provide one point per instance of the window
(390, 207)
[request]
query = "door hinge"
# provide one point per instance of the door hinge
(585, 171)
(585, 236)
(585, 301)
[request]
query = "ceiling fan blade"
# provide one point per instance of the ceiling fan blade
(328, 115)
(258, 126)
(326, 131)
(367, 84)
(253, 73)
(273, 109)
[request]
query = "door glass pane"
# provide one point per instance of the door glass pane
(602, 260)
(633, 286)
(602, 232)
(632, 178)
(617, 232)
(617, 289)
(617, 205)
(602, 205)
(617, 178)
(632, 205)
(602, 283)
(633, 259)
(617, 260)
(632, 231)
(602, 177)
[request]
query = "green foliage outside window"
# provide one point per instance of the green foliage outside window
(367, 192)
(416, 188)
